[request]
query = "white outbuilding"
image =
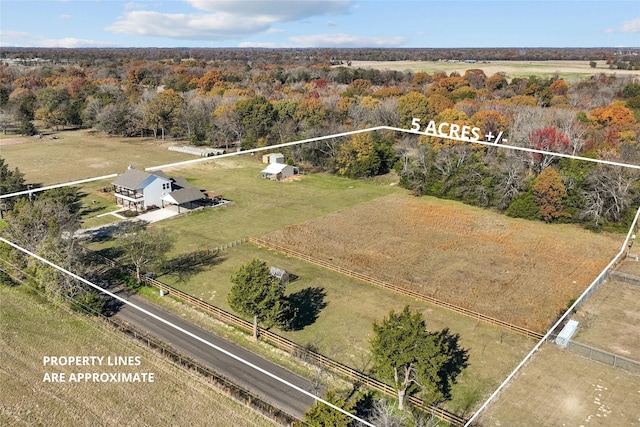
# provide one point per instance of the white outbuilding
(278, 171)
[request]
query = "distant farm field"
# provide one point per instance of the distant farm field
(31, 329)
(566, 69)
(518, 271)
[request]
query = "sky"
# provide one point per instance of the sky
(323, 23)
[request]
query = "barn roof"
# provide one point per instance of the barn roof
(275, 168)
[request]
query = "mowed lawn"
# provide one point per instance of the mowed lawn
(259, 206)
(79, 154)
(31, 329)
(343, 327)
(346, 311)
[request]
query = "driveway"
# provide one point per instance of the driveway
(158, 215)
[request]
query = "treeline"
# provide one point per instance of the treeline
(307, 56)
(255, 104)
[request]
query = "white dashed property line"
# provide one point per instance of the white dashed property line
(49, 187)
(517, 148)
(320, 138)
(179, 329)
(337, 135)
(269, 147)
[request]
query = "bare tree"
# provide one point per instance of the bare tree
(6, 119)
(609, 193)
(143, 246)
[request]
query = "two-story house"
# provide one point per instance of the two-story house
(141, 190)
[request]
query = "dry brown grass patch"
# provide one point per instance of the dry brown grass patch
(518, 271)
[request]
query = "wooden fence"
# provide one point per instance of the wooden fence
(398, 289)
(293, 348)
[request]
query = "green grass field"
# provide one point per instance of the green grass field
(31, 328)
(258, 207)
(78, 154)
(344, 326)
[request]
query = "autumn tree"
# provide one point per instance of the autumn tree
(476, 78)
(226, 127)
(612, 115)
(547, 139)
(549, 192)
(311, 112)
(256, 116)
(496, 82)
(414, 359)
(53, 103)
(363, 155)
(162, 111)
(208, 81)
(559, 87)
(413, 104)
(489, 121)
(255, 292)
(359, 87)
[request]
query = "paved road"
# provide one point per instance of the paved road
(278, 394)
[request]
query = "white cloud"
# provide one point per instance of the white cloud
(22, 39)
(186, 26)
(17, 39)
(274, 31)
(71, 42)
(223, 19)
(346, 40)
(64, 16)
(281, 10)
(632, 26)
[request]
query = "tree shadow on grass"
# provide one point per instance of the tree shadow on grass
(457, 360)
(187, 265)
(306, 306)
(113, 252)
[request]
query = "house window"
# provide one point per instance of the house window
(166, 186)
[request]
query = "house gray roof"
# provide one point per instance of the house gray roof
(180, 182)
(160, 174)
(184, 195)
(133, 179)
